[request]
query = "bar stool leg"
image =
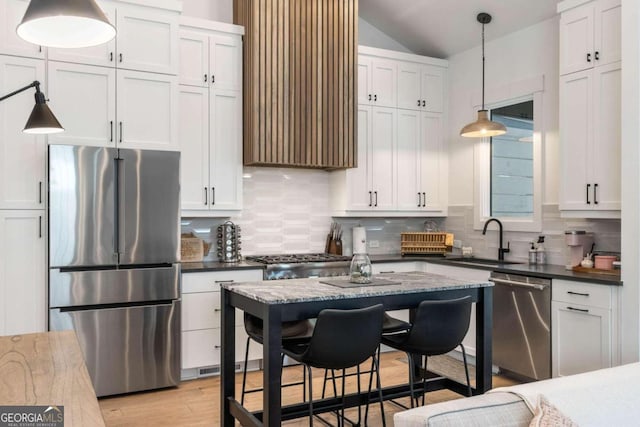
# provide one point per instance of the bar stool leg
(424, 380)
(244, 373)
(466, 370)
(410, 359)
(310, 395)
(377, 364)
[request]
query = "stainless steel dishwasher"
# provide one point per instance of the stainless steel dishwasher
(522, 325)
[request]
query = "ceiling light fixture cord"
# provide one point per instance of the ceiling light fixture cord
(483, 65)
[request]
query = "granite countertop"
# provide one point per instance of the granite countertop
(546, 271)
(312, 289)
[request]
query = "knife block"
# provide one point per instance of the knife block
(333, 246)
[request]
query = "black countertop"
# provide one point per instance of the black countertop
(546, 271)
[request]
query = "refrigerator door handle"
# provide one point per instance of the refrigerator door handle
(119, 213)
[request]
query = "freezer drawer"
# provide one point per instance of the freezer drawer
(99, 287)
(127, 349)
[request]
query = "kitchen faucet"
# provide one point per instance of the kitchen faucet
(501, 250)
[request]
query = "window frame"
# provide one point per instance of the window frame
(525, 91)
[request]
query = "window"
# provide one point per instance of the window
(508, 168)
(512, 162)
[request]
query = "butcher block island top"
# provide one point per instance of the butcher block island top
(47, 369)
(312, 289)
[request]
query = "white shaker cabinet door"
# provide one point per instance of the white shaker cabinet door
(103, 54)
(226, 150)
(22, 156)
(359, 193)
(608, 41)
(384, 79)
(408, 157)
(225, 62)
(432, 85)
(194, 59)
(364, 80)
(147, 107)
(83, 98)
(11, 13)
(22, 272)
(576, 40)
(431, 157)
(147, 39)
(193, 136)
(383, 158)
(409, 77)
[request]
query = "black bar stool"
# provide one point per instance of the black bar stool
(341, 339)
(439, 326)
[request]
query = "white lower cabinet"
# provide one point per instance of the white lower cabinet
(584, 331)
(201, 333)
(22, 272)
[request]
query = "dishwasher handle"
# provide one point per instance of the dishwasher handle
(535, 286)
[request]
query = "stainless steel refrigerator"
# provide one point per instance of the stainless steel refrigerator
(114, 275)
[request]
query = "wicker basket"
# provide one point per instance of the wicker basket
(419, 243)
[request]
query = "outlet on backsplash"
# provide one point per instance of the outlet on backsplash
(374, 244)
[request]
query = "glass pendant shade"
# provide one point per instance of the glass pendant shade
(65, 24)
(483, 127)
(360, 270)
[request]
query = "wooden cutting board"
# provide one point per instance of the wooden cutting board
(580, 269)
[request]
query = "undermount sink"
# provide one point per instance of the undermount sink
(480, 261)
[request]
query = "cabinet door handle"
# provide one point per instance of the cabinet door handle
(39, 192)
(597, 56)
(424, 103)
(206, 195)
(424, 200)
(40, 49)
(588, 187)
(111, 131)
(387, 272)
(217, 310)
(418, 102)
(213, 196)
(577, 293)
(213, 78)
(40, 227)
(588, 57)
(595, 194)
(370, 199)
(578, 309)
(120, 56)
(217, 347)
(419, 200)
(369, 97)
(375, 98)
(120, 131)
(110, 56)
(205, 78)
(224, 281)
(375, 193)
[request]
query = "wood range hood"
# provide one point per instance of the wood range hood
(300, 70)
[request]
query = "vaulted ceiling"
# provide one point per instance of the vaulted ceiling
(442, 28)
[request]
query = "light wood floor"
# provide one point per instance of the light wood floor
(197, 402)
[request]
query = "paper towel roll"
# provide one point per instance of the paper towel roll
(359, 240)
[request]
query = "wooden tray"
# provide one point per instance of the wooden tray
(579, 269)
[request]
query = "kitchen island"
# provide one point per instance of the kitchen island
(285, 300)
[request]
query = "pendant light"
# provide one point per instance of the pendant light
(41, 120)
(483, 127)
(65, 24)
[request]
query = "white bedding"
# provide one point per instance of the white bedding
(607, 397)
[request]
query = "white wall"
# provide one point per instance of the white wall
(213, 10)
(368, 35)
(528, 53)
(631, 180)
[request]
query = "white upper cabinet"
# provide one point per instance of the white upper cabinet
(11, 13)
(71, 87)
(147, 110)
(377, 80)
(590, 36)
(590, 110)
(210, 125)
(22, 156)
(129, 109)
(401, 155)
(420, 87)
(146, 40)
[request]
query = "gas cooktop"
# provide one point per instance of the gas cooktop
(296, 258)
(295, 266)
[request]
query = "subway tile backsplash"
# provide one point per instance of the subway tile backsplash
(287, 211)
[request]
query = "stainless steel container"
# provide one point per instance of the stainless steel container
(229, 242)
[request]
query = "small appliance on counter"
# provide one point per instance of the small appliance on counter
(580, 243)
(229, 242)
